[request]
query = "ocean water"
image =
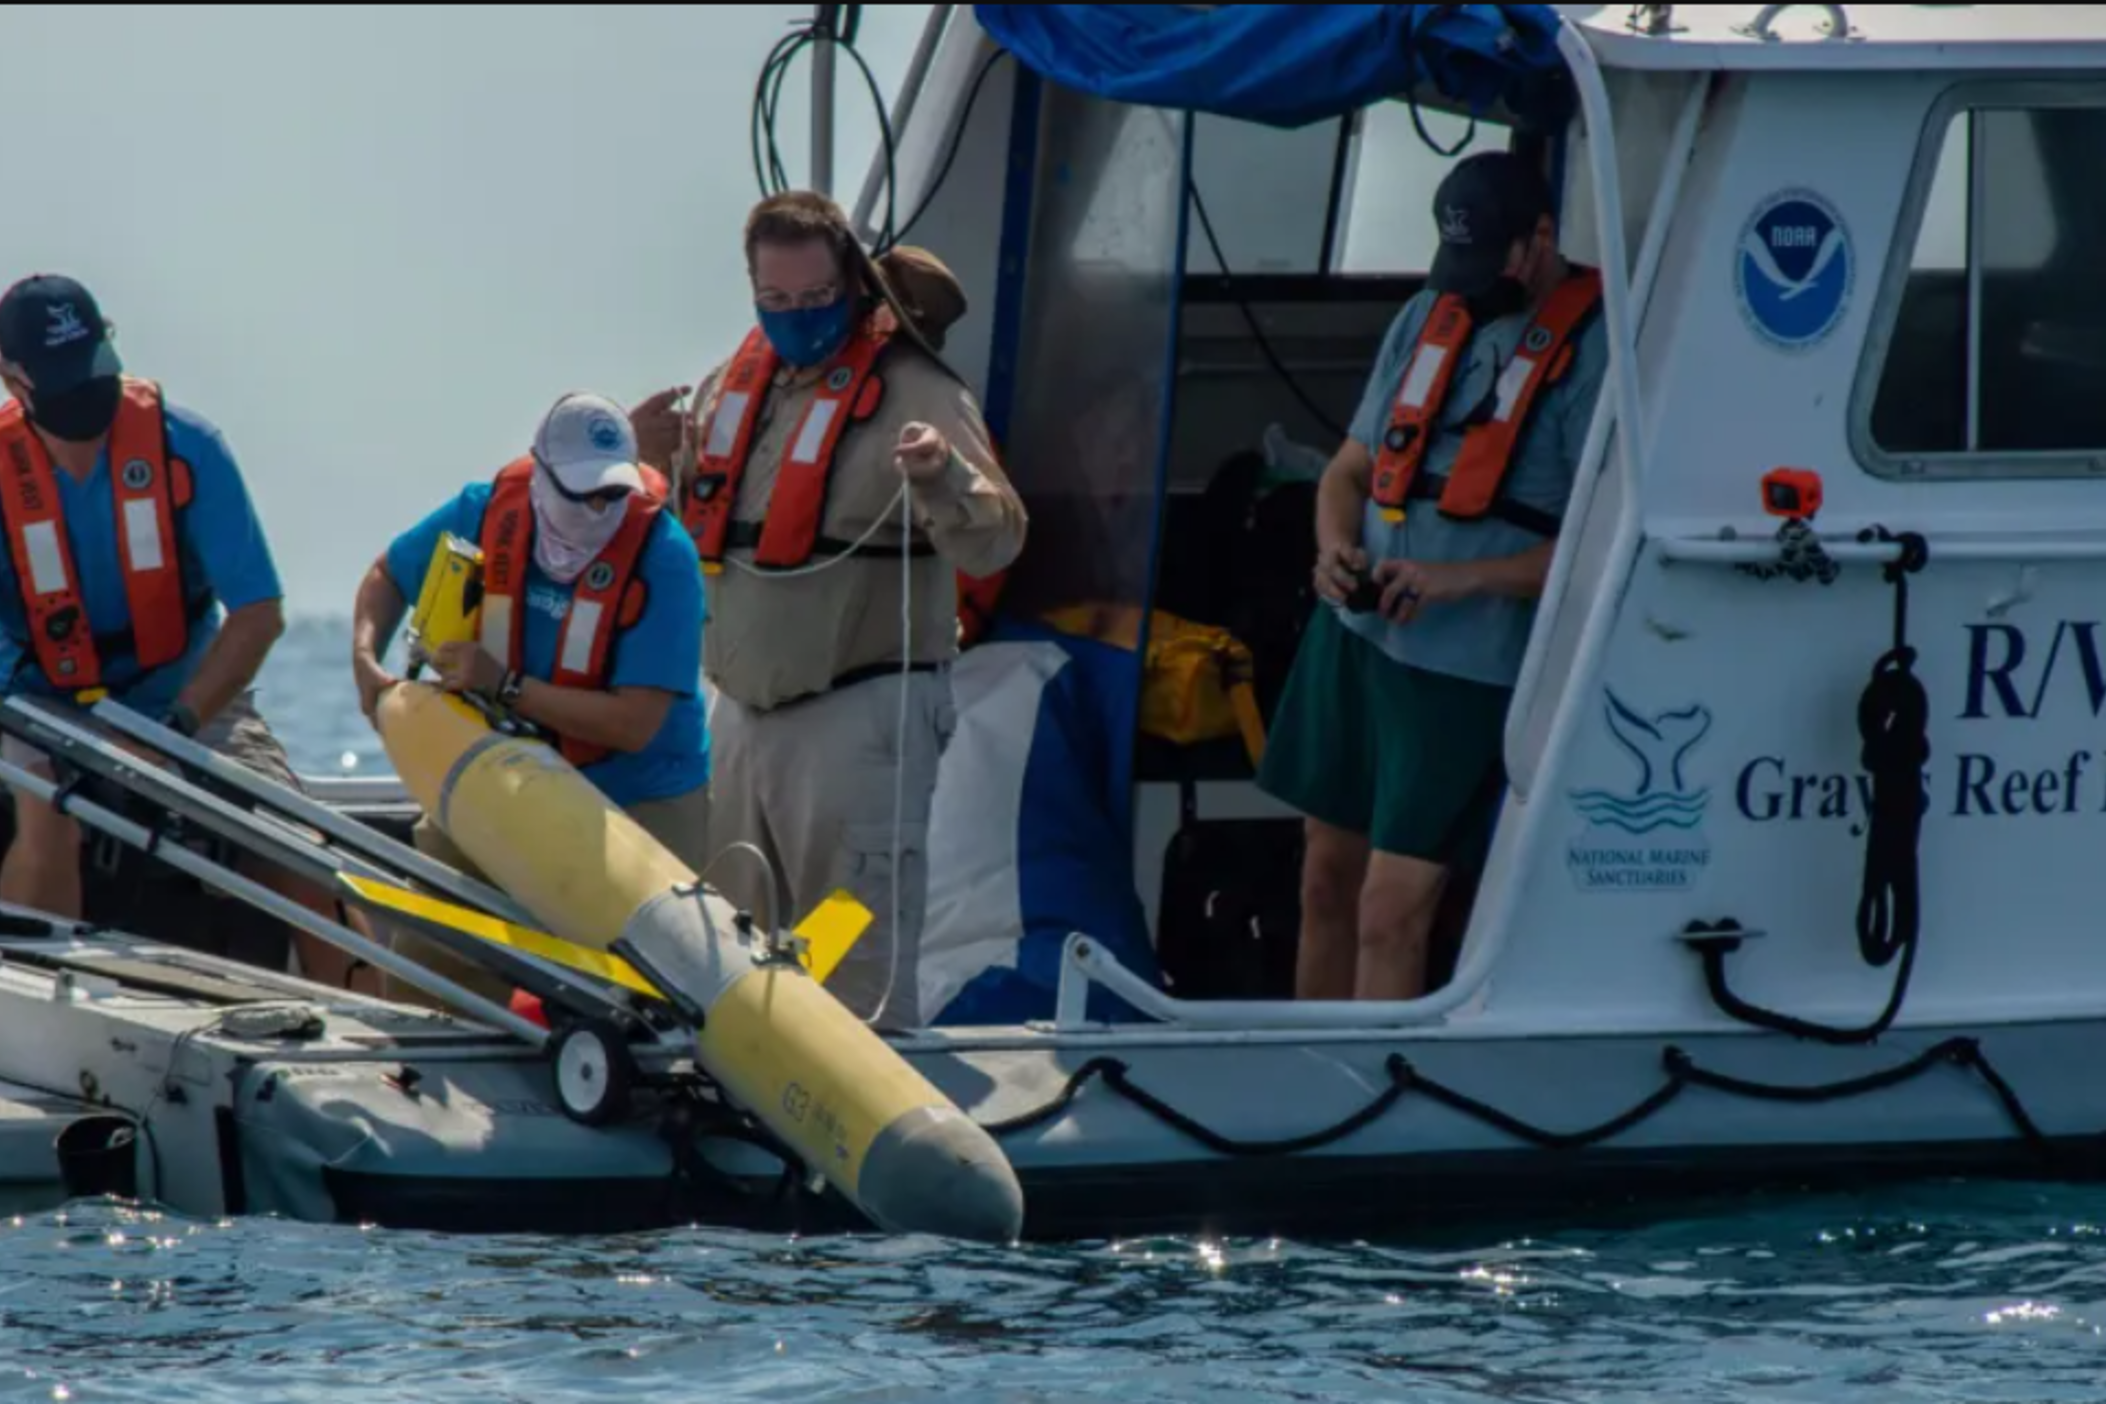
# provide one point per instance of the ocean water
(1943, 1291)
(1939, 1293)
(305, 692)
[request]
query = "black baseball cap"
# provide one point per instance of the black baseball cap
(52, 328)
(1487, 203)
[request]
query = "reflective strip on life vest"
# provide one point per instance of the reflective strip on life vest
(149, 485)
(1480, 469)
(1471, 489)
(727, 442)
(585, 647)
(507, 542)
(848, 392)
(581, 637)
(1420, 396)
(147, 492)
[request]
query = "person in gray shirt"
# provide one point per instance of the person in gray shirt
(1435, 525)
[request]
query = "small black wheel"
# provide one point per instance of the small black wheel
(594, 1072)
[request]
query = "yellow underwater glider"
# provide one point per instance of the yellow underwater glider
(767, 1033)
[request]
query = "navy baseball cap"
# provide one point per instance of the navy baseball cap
(52, 328)
(1485, 205)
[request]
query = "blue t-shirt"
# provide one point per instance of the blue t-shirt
(218, 535)
(1483, 638)
(663, 649)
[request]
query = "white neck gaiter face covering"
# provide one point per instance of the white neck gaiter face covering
(569, 535)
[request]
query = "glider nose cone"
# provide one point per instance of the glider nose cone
(935, 1171)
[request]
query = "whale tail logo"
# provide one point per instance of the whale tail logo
(1659, 745)
(1788, 287)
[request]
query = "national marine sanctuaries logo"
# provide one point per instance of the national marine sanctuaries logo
(1650, 836)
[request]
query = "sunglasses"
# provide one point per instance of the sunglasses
(600, 497)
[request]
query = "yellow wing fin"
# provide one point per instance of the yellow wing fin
(829, 932)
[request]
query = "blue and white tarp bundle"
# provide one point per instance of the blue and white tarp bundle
(1026, 842)
(1289, 65)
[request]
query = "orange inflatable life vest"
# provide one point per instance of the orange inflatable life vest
(849, 392)
(1472, 487)
(607, 598)
(790, 536)
(149, 486)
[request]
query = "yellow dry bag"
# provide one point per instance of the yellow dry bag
(1196, 684)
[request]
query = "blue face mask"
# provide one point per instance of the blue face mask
(809, 335)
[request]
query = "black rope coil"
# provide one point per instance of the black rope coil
(1893, 722)
(1893, 726)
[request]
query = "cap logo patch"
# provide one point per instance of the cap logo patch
(605, 434)
(1455, 225)
(66, 326)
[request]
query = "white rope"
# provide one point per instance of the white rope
(684, 459)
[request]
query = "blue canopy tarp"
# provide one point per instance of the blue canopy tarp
(1290, 65)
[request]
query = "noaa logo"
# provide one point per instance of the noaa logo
(1538, 339)
(838, 381)
(138, 475)
(1794, 269)
(600, 576)
(605, 434)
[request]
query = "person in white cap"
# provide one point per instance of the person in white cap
(575, 522)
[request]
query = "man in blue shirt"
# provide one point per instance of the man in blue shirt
(128, 531)
(1446, 500)
(591, 628)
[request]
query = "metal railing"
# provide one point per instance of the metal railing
(1608, 415)
(1844, 548)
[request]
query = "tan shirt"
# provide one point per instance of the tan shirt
(772, 638)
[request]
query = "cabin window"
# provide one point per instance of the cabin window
(1996, 354)
(1386, 207)
(1353, 196)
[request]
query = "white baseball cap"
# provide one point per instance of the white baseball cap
(585, 441)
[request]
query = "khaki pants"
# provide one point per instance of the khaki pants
(680, 823)
(812, 786)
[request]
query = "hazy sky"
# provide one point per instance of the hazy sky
(373, 243)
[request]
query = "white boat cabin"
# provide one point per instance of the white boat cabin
(1813, 264)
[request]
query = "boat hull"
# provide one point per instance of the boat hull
(412, 1119)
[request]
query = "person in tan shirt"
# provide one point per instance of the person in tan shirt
(792, 472)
